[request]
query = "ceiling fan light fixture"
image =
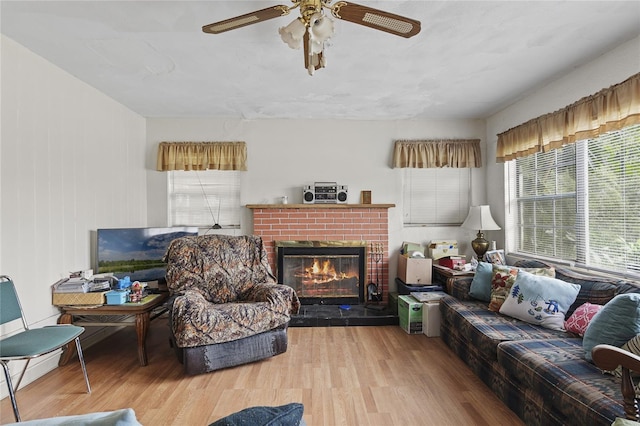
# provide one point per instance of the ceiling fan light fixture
(321, 28)
(312, 29)
(293, 33)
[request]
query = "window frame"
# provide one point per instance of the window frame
(226, 213)
(582, 258)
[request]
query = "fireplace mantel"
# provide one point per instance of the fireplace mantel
(320, 206)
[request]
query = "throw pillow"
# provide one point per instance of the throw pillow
(581, 317)
(502, 279)
(284, 415)
(481, 285)
(615, 324)
(539, 300)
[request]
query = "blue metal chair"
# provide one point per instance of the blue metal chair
(30, 343)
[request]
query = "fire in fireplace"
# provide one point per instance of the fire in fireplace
(323, 272)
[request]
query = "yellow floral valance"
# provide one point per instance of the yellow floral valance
(202, 156)
(610, 109)
(422, 154)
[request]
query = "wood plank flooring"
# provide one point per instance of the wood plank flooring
(342, 375)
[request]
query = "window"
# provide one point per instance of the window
(581, 203)
(204, 198)
(436, 196)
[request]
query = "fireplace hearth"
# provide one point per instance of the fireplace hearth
(343, 316)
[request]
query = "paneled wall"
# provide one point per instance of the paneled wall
(71, 161)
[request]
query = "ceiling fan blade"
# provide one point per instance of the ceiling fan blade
(376, 19)
(247, 19)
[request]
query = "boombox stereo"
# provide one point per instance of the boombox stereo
(324, 193)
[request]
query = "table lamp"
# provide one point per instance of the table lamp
(480, 218)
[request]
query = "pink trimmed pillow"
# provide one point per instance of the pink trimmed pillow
(581, 317)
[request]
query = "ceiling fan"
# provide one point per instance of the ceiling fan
(313, 28)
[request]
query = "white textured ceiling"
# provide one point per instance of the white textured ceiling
(471, 59)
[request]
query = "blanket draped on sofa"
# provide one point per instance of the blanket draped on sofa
(223, 291)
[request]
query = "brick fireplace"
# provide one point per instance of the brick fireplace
(327, 222)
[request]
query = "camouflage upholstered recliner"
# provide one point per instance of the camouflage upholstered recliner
(225, 307)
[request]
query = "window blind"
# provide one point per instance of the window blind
(612, 208)
(204, 198)
(545, 185)
(436, 196)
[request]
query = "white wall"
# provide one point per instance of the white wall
(70, 162)
(611, 68)
(284, 155)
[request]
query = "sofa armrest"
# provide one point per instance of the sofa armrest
(460, 287)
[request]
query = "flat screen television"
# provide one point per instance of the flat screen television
(136, 252)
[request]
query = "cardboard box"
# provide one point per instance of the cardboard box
(410, 314)
(71, 299)
(438, 249)
(431, 319)
(414, 270)
(452, 261)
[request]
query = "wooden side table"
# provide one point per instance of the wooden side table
(446, 276)
(115, 316)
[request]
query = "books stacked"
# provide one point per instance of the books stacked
(71, 285)
(80, 285)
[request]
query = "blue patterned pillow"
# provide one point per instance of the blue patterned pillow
(615, 324)
(284, 415)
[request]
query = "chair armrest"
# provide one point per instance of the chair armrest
(275, 294)
(608, 358)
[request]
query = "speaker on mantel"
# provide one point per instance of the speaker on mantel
(342, 194)
(308, 194)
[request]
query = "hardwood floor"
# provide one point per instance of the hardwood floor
(342, 375)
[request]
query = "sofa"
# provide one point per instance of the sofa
(543, 374)
(225, 307)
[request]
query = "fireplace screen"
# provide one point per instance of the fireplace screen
(324, 275)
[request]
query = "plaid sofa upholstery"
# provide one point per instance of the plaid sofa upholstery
(540, 374)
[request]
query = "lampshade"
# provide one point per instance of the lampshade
(479, 218)
(292, 34)
(320, 27)
(320, 30)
